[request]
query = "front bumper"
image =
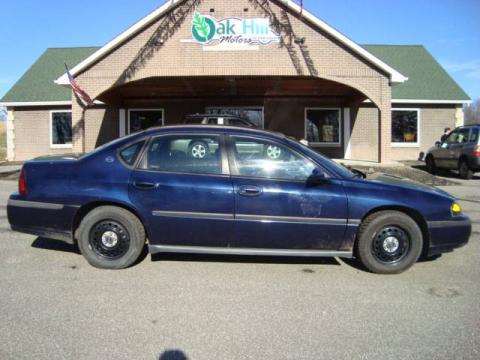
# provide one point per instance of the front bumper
(445, 236)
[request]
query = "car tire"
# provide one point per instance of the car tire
(430, 163)
(111, 237)
(389, 242)
(464, 170)
(198, 150)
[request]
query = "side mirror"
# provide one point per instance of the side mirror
(317, 177)
(438, 143)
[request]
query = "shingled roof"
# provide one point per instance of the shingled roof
(427, 78)
(37, 85)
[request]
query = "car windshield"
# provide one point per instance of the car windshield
(338, 168)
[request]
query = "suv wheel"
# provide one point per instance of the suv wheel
(389, 242)
(430, 162)
(464, 170)
(198, 149)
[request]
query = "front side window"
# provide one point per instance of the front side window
(269, 160)
(185, 154)
(405, 126)
(61, 130)
(322, 126)
(140, 120)
(459, 136)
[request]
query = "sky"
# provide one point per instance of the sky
(449, 29)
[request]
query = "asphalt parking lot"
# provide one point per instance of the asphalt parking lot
(53, 305)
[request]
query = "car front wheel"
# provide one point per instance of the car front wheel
(110, 237)
(464, 170)
(389, 242)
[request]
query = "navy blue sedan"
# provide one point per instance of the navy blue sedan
(227, 190)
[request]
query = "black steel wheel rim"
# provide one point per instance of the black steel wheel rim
(391, 244)
(109, 239)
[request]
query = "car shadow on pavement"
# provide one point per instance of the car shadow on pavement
(56, 245)
(250, 259)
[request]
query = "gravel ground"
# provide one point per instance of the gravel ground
(55, 306)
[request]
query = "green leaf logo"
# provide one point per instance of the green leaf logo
(203, 29)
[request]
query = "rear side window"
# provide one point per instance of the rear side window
(130, 154)
(474, 135)
(189, 154)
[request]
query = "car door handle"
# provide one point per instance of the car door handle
(250, 191)
(145, 185)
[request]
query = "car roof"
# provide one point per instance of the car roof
(215, 128)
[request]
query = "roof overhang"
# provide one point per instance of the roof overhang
(36, 103)
(395, 76)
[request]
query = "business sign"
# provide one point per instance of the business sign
(232, 32)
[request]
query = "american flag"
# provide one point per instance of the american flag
(87, 100)
(301, 6)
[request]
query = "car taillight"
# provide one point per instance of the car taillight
(22, 184)
(476, 151)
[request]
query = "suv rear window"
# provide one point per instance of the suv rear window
(129, 154)
(474, 135)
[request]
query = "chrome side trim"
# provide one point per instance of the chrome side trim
(449, 223)
(354, 222)
(155, 249)
(193, 215)
(35, 205)
(245, 217)
(291, 219)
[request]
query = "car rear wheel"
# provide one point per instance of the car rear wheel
(110, 237)
(430, 162)
(389, 242)
(464, 170)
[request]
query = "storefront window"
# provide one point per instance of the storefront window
(254, 114)
(61, 129)
(143, 119)
(322, 126)
(405, 126)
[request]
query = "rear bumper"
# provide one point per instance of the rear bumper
(51, 221)
(445, 236)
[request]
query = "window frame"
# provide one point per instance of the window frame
(129, 111)
(419, 132)
(340, 127)
(234, 108)
(59, 146)
(233, 163)
(140, 165)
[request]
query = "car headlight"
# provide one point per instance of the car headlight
(456, 209)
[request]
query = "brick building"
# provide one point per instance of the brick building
(269, 61)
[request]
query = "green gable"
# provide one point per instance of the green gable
(428, 80)
(37, 85)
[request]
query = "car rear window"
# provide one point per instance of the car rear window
(130, 153)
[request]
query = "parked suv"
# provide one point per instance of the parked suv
(459, 151)
(212, 119)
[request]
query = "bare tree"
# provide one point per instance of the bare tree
(472, 113)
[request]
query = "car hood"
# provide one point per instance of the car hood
(405, 183)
